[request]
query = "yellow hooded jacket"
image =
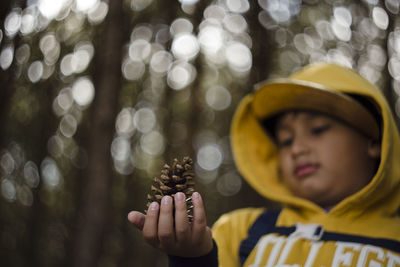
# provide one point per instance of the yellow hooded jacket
(362, 230)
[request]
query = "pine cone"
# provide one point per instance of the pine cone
(174, 179)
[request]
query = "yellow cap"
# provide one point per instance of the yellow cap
(279, 95)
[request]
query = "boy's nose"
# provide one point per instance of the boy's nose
(299, 147)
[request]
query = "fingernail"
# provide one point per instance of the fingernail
(153, 206)
(167, 200)
(196, 195)
(180, 196)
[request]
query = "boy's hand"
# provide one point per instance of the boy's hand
(179, 237)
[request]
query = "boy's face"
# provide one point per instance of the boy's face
(322, 159)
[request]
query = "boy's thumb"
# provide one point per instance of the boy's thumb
(137, 219)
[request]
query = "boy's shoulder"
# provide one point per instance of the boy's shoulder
(238, 219)
(231, 229)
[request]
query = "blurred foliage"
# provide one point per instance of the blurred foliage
(96, 95)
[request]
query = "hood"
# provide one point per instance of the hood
(255, 153)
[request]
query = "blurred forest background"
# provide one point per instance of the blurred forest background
(96, 95)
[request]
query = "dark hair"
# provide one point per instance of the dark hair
(369, 105)
(269, 124)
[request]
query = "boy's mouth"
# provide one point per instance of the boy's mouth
(303, 170)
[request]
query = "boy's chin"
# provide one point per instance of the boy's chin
(321, 200)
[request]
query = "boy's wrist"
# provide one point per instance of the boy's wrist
(210, 259)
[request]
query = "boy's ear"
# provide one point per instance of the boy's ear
(374, 149)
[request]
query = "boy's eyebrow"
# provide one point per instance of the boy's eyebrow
(309, 116)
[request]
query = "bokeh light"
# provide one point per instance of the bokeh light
(75, 62)
(281, 11)
(120, 149)
(51, 174)
(6, 57)
(83, 52)
(8, 190)
(35, 71)
(98, 13)
(124, 124)
(188, 2)
(139, 50)
(83, 91)
(181, 26)
(185, 46)
(380, 18)
(181, 75)
(324, 30)
(68, 64)
(303, 43)
(133, 69)
(342, 16)
(144, 120)
(235, 23)
(68, 125)
(63, 102)
(239, 57)
(229, 184)
(22, 54)
(211, 38)
(13, 22)
(238, 6)
(368, 28)
(28, 20)
(161, 62)
(50, 48)
(209, 157)
(214, 12)
(218, 98)
(50, 8)
(31, 174)
(7, 163)
(85, 5)
(393, 6)
(341, 31)
(142, 32)
(152, 143)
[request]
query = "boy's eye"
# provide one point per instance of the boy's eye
(285, 142)
(320, 129)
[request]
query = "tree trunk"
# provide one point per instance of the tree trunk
(95, 200)
(262, 49)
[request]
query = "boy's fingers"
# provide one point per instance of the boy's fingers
(166, 233)
(201, 233)
(181, 218)
(137, 219)
(199, 223)
(150, 226)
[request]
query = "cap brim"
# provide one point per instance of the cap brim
(280, 95)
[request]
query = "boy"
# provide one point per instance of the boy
(324, 144)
